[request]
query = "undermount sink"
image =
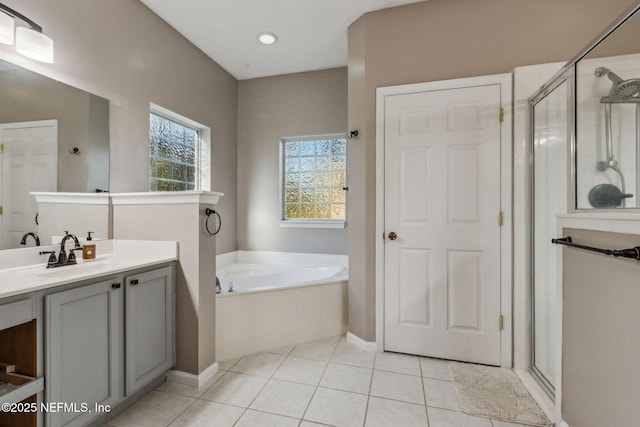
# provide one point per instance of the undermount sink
(82, 267)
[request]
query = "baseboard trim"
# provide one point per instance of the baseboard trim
(362, 344)
(193, 380)
(542, 399)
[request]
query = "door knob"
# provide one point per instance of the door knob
(393, 236)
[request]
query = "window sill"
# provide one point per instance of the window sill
(311, 223)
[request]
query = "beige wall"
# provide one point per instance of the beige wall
(195, 275)
(120, 50)
(600, 368)
(270, 108)
(78, 219)
(439, 40)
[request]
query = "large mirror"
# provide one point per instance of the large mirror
(608, 120)
(53, 137)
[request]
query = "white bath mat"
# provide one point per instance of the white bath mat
(495, 393)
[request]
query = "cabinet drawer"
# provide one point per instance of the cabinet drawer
(16, 313)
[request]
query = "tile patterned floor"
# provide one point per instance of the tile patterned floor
(325, 382)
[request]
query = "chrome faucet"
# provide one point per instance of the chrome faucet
(35, 237)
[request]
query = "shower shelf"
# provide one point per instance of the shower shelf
(633, 253)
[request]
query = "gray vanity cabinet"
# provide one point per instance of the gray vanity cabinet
(149, 318)
(83, 342)
(106, 340)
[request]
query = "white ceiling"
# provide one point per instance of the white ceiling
(312, 34)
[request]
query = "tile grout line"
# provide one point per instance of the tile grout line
(333, 347)
(185, 410)
(319, 381)
(243, 373)
(263, 387)
(373, 371)
(214, 383)
(424, 391)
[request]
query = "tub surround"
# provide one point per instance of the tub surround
(253, 322)
(282, 313)
(24, 270)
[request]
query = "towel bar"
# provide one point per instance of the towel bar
(624, 253)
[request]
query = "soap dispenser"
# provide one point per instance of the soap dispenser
(89, 249)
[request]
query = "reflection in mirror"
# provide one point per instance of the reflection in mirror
(54, 138)
(607, 118)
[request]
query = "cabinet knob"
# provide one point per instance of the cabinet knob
(115, 285)
(134, 282)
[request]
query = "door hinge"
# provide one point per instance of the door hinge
(0, 210)
(501, 322)
(1, 148)
(501, 114)
(501, 218)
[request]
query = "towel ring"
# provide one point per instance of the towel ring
(208, 212)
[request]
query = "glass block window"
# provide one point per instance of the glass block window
(174, 151)
(314, 177)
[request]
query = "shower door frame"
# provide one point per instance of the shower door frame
(567, 75)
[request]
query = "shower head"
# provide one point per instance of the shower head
(604, 71)
(625, 89)
(622, 90)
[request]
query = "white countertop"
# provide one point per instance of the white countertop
(24, 270)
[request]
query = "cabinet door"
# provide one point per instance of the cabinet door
(149, 319)
(83, 358)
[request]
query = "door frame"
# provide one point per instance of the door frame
(22, 125)
(506, 301)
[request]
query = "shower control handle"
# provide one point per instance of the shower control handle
(393, 236)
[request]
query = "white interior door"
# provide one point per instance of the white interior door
(442, 289)
(29, 163)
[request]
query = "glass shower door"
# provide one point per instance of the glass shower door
(550, 126)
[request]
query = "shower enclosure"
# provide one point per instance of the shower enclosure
(607, 89)
(550, 171)
(585, 154)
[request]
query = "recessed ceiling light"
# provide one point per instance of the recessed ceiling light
(267, 38)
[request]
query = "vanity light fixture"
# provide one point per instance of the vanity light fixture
(267, 38)
(30, 42)
(7, 29)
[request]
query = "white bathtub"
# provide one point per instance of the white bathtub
(278, 299)
(253, 276)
